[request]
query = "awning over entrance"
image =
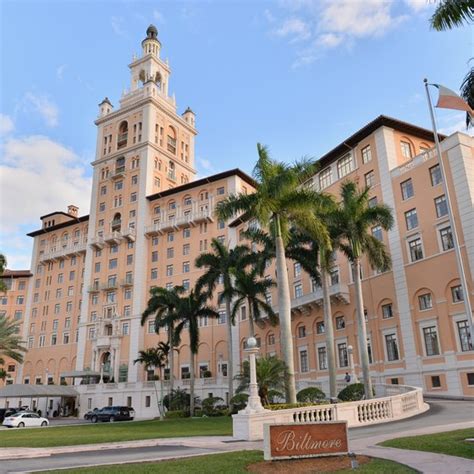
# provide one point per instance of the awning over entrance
(37, 391)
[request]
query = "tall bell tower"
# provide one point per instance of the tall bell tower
(143, 147)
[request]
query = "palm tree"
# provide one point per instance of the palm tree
(278, 200)
(151, 358)
(190, 309)
(317, 263)
(352, 222)
(3, 374)
(162, 305)
(3, 266)
(11, 344)
(450, 14)
(251, 290)
(220, 265)
(272, 376)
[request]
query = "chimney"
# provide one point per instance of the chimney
(72, 210)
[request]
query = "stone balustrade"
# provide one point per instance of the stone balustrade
(392, 402)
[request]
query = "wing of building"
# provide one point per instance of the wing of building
(82, 300)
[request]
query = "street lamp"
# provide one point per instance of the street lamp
(254, 404)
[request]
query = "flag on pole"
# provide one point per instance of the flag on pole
(448, 99)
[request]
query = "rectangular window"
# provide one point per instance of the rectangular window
(133, 197)
(344, 166)
(170, 237)
(170, 252)
(112, 263)
(411, 219)
(169, 270)
(243, 313)
(435, 381)
(416, 250)
(220, 191)
(464, 334)
(435, 175)
(441, 206)
(320, 327)
(387, 311)
(186, 233)
(301, 331)
(151, 326)
(154, 274)
(457, 294)
(392, 347)
(322, 358)
(372, 201)
(425, 301)
(186, 284)
(304, 361)
(222, 317)
(377, 232)
(340, 323)
(297, 269)
(186, 249)
(125, 329)
(446, 237)
(147, 401)
(186, 267)
(154, 256)
(325, 178)
(366, 154)
(430, 336)
(369, 178)
(342, 353)
(298, 290)
(407, 189)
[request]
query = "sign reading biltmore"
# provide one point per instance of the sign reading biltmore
(304, 440)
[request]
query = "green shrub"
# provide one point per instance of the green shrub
(198, 412)
(179, 400)
(310, 394)
(177, 414)
(352, 393)
(239, 402)
(213, 406)
(284, 406)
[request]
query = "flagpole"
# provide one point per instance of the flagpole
(457, 248)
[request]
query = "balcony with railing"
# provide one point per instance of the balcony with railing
(98, 242)
(127, 281)
(178, 221)
(122, 140)
(65, 251)
(118, 173)
(109, 285)
(95, 288)
(338, 292)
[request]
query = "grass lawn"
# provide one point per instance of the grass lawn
(110, 432)
(228, 463)
(450, 442)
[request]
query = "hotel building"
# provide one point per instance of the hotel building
(150, 218)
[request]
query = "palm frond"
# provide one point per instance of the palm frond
(451, 13)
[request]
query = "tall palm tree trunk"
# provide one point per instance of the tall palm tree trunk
(362, 331)
(329, 333)
(286, 338)
(230, 357)
(162, 406)
(171, 361)
(191, 384)
(251, 322)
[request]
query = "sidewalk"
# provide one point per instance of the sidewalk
(420, 460)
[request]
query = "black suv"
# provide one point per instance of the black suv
(113, 414)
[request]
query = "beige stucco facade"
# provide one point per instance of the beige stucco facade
(150, 218)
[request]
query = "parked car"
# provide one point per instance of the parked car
(23, 419)
(89, 414)
(4, 412)
(113, 414)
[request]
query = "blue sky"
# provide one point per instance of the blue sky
(298, 75)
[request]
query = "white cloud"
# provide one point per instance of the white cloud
(37, 176)
(419, 5)
(117, 25)
(158, 16)
(455, 122)
(41, 104)
(6, 124)
(294, 28)
(60, 71)
(318, 25)
(204, 167)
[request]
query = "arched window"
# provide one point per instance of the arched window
(158, 80)
(116, 222)
(171, 143)
(171, 171)
(122, 135)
